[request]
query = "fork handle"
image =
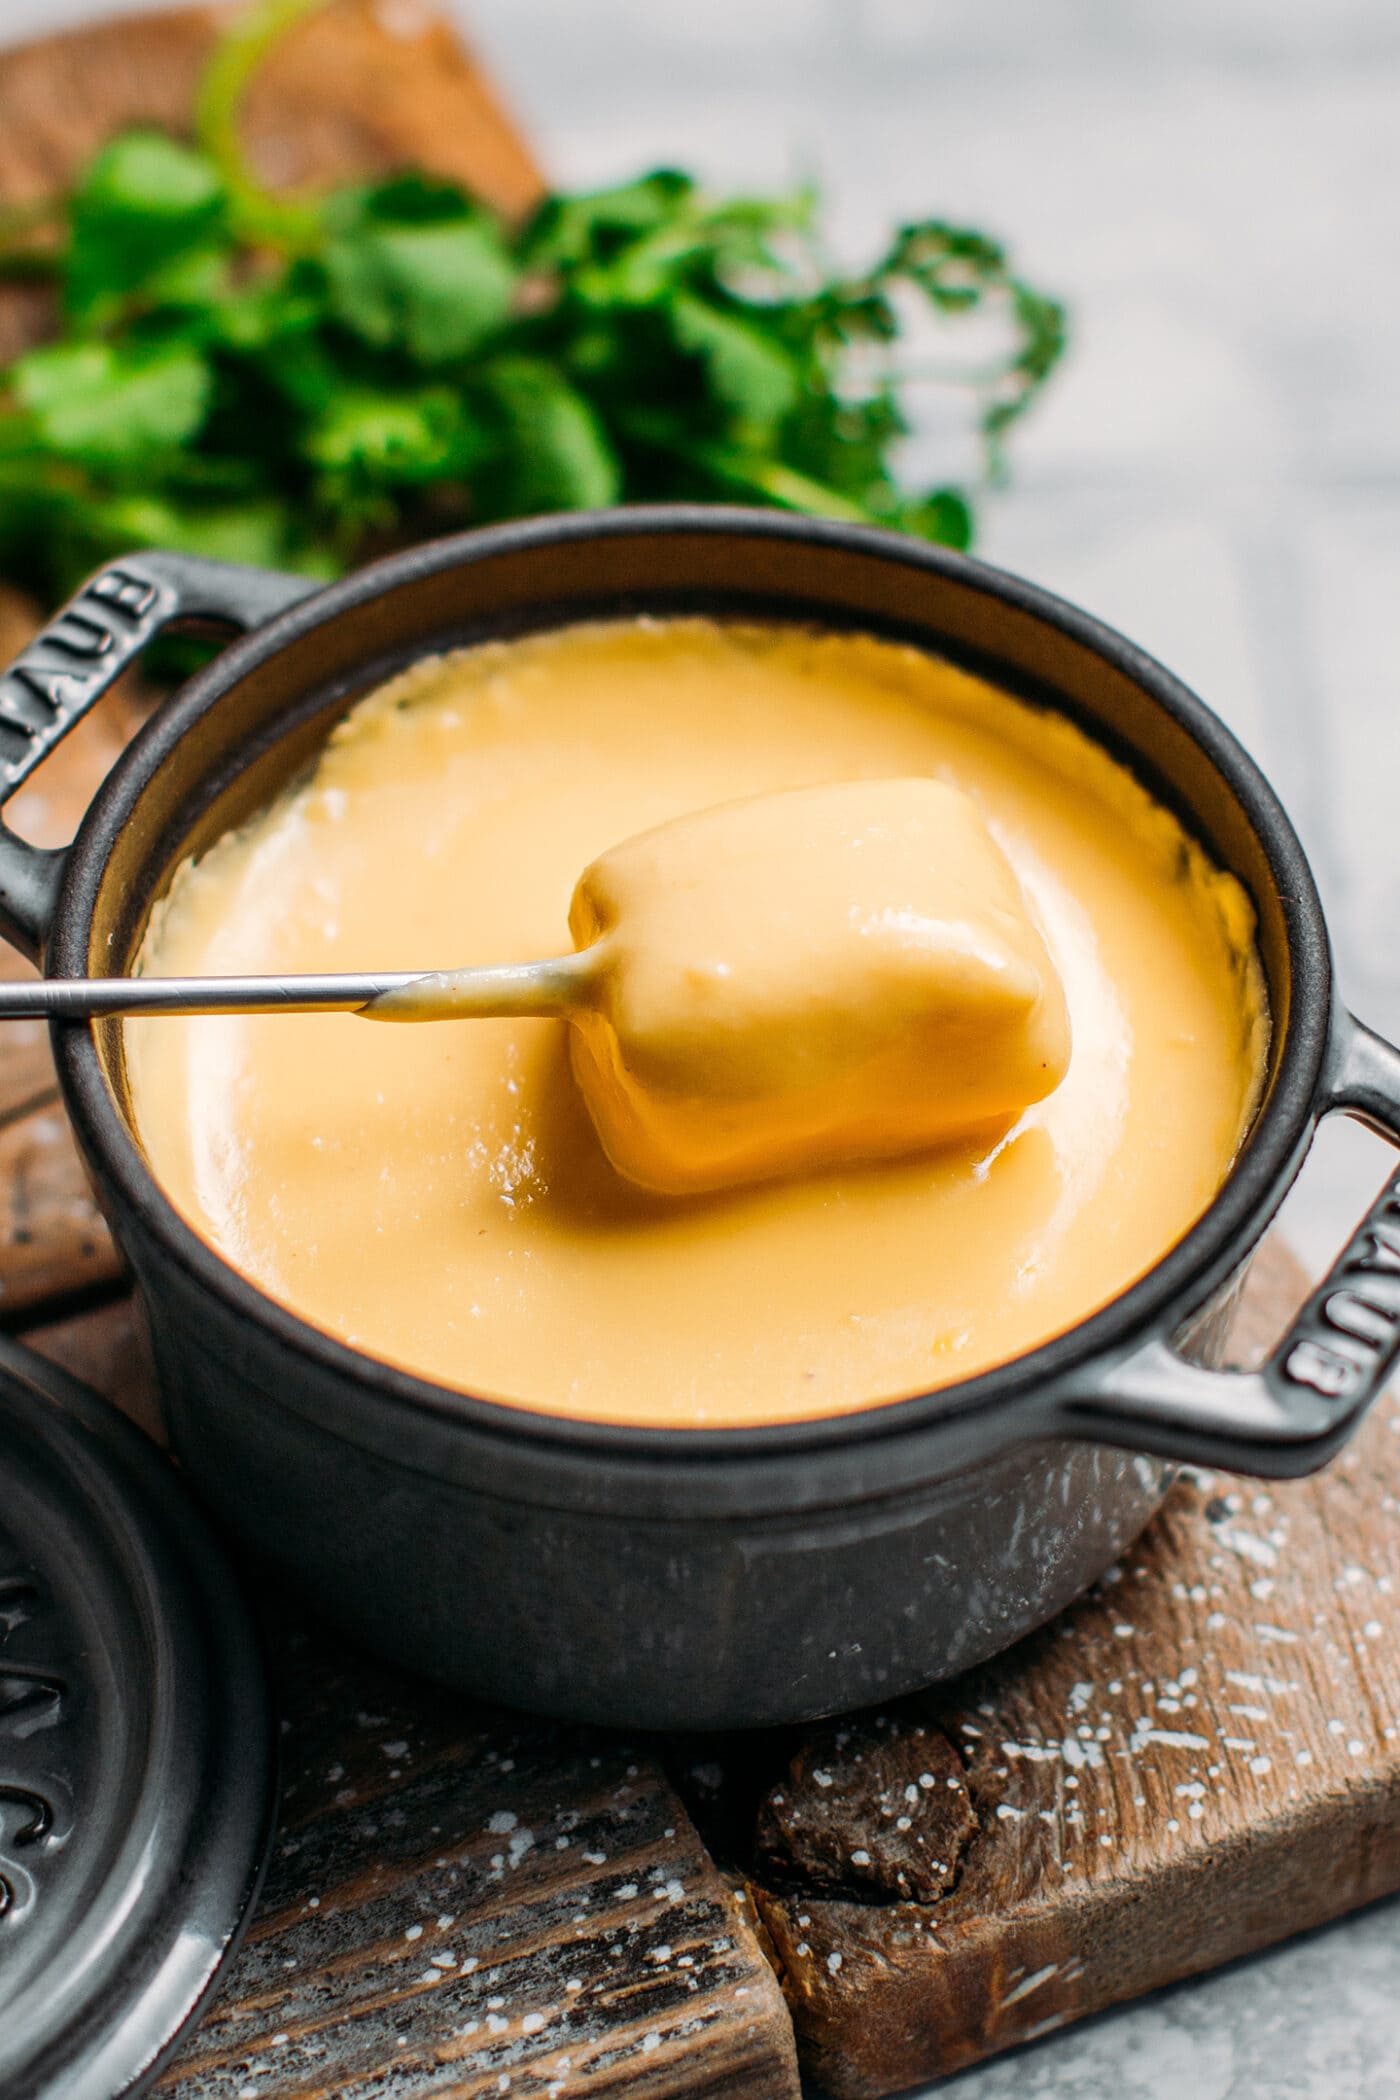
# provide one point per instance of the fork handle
(89, 998)
(546, 988)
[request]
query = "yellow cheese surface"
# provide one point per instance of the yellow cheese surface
(437, 1195)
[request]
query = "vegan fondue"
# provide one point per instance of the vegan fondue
(957, 862)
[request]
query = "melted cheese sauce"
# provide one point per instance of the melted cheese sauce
(437, 1195)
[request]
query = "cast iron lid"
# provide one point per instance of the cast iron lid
(136, 1750)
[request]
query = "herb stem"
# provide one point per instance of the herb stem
(263, 216)
(781, 485)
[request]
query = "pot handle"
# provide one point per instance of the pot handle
(1290, 1416)
(73, 661)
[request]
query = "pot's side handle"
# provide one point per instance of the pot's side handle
(1290, 1415)
(73, 661)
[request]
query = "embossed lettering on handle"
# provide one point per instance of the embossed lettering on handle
(69, 666)
(74, 661)
(1347, 1337)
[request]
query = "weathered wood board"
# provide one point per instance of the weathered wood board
(1199, 1759)
(470, 1903)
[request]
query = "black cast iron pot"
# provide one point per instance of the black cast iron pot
(661, 1577)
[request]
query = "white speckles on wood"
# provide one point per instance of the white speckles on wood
(1200, 1758)
(418, 1937)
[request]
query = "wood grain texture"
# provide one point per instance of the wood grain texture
(54, 1245)
(1200, 1758)
(471, 1903)
(367, 86)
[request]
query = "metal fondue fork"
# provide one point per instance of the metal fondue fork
(555, 986)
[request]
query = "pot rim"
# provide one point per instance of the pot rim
(1159, 1303)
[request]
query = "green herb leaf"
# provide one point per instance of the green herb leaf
(752, 375)
(256, 318)
(567, 231)
(391, 438)
(944, 516)
(113, 407)
(144, 202)
(416, 265)
(551, 451)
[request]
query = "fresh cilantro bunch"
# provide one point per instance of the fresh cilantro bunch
(294, 383)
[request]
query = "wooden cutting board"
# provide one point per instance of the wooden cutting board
(1200, 1758)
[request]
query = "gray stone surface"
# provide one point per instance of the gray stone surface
(1215, 185)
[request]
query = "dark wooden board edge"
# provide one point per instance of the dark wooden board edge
(1200, 1758)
